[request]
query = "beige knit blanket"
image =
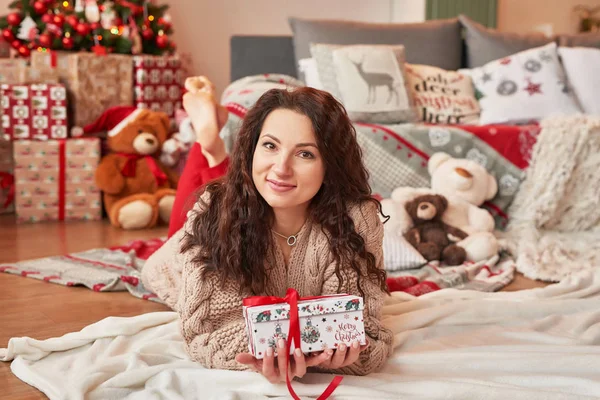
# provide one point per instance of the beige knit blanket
(555, 218)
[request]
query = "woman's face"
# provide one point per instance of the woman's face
(287, 167)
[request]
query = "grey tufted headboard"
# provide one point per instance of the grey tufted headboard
(253, 55)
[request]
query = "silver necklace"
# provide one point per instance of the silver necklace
(291, 240)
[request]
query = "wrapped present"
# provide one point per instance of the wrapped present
(323, 322)
(158, 81)
(34, 111)
(7, 179)
(5, 48)
(12, 70)
(54, 180)
(94, 82)
(311, 323)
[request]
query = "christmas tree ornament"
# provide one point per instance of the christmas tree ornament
(14, 19)
(24, 51)
(40, 7)
(8, 35)
(47, 18)
(25, 28)
(16, 44)
(58, 20)
(45, 40)
(72, 20)
(92, 11)
(83, 29)
(79, 6)
(68, 42)
(94, 26)
(147, 33)
(162, 41)
(108, 16)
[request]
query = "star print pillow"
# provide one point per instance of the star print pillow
(525, 87)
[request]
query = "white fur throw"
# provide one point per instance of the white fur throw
(555, 218)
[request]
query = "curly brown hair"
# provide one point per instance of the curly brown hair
(233, 231)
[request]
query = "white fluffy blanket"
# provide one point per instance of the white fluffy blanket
(555, 218)
(534, 344)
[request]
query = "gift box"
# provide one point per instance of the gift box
(158, 81)
(16, 71)
(54, 180)
(94, 82)
(34, 111)
(7, 179)
(320, 323)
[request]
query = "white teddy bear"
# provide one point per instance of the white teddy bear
(466, 185)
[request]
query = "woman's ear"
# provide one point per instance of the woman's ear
(436, 160)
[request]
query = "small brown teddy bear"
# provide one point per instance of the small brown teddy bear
(139, 190)
(429, 235)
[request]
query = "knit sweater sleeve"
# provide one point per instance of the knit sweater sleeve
(212, 323)
(370, 227)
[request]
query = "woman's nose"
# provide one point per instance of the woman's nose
(282, 165)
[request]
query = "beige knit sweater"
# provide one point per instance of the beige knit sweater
(212, 323)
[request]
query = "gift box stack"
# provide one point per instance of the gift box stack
(7, 180)
(158, 83)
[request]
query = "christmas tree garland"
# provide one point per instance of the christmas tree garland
(119, 26)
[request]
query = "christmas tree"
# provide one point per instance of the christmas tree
(119, 26)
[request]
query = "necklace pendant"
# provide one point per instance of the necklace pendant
(291, 240)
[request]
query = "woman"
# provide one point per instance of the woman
(293, 210)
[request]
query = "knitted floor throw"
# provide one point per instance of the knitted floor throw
(555, 226)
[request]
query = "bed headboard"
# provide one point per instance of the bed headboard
(253, 55)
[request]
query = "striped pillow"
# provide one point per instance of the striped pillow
(399, 255)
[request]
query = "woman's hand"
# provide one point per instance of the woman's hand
(344, 356)
(274, 368)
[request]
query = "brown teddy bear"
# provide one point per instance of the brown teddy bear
(139, 190)
(429, 235)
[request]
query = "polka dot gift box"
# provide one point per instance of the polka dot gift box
(322, 322)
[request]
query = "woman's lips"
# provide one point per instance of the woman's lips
(280, 186)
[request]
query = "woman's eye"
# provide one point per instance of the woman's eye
(306, 154)
(269, 145)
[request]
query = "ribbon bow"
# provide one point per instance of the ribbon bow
(7, 181)
(292, 298)
(129, 169)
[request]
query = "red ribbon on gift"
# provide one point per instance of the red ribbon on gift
(292, 298)
(7, 181)
(129, 168)
(62, 167)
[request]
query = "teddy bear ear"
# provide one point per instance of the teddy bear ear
(436, 160)
(492, 187)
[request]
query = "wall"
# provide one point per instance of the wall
(525, 15)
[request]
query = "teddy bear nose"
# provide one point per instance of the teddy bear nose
(463, 172)
(150, 141)
(424, 206)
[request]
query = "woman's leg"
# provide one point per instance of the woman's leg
(207, 159)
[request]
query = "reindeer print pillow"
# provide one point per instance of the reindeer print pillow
(369, 80)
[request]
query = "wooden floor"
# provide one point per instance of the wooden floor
(29, 307)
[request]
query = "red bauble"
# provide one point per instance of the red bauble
(14, 19)
(16, 44)
(72, 20)
(94, 26)
(83, 29)
(118, 21)
(162, 41)
(45, 40)
(147, 33)
(68, 43)
(40, 7)
(47, 18)
(24, 51)
(59, 20)
(8, 35)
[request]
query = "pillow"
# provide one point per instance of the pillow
(308, 68)
(436, 43)
(526, 86)
(581, 66)
(485, 45)
(588, 39)
(399, 255)
(369, 80)
(442, 97)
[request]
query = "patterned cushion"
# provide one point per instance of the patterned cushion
(369, 80)
(399, 255)
(526, 86)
